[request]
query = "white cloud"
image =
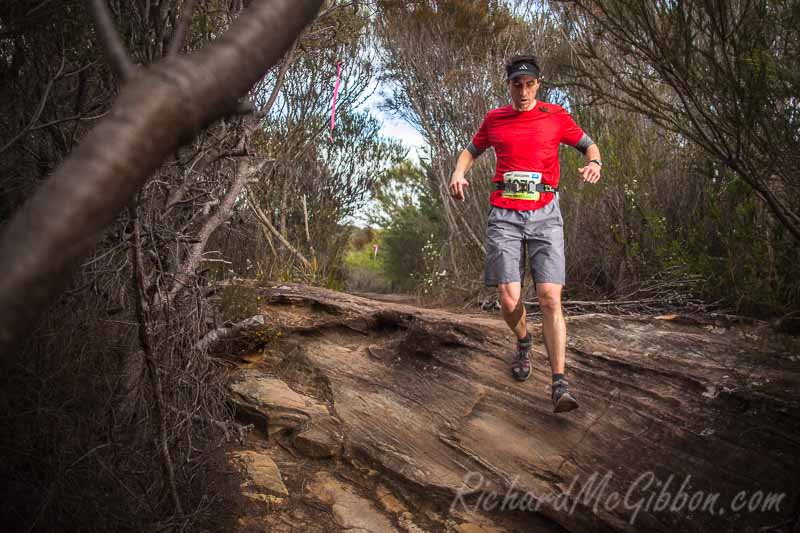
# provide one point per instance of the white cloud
(394, 127)
(411, 138)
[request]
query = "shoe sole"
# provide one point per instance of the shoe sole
(565, 403)
(520, 377)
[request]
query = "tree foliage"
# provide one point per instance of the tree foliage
(317, 177)
(409, 212)
(724, 75)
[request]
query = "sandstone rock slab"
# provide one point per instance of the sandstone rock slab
(264, 481)
(320, 438)
(272, 400)
(425, 396)
(350, 510)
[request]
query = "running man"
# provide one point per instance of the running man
(525, 210)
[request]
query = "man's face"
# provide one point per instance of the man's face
(523, 92)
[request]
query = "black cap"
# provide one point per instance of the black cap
(522, 69)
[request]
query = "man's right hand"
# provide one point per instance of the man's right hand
(458, 186)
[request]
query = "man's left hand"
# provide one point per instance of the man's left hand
(590, 172)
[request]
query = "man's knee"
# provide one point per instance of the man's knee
(508, 304)
(509, 299)
(549, 300)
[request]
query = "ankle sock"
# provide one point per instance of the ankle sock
(525, 342)
(556, 377)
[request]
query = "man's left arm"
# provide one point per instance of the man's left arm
(591, 170)
(573, 135)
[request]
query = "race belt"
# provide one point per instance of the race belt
(517, 185)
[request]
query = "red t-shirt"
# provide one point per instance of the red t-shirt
(526, 141)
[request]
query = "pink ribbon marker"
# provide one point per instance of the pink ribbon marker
(335, 94)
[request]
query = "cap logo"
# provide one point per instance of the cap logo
(523, 67)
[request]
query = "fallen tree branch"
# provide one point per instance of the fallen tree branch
(223, 333)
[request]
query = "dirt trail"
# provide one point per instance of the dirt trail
(382, 416)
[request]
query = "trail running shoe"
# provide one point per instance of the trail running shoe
(563, 401)
(521, 367)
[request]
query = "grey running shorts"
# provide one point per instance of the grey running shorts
(542, 230)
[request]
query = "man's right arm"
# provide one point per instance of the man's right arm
(458, 183)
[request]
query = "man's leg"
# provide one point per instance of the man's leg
(545, 242)
(514, 314)
(554, 330)
(553, 326)
(512, 308)
(504, 270)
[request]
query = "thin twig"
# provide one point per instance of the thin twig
(42, 103)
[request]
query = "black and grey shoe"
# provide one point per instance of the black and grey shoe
(521, 367)
(563, 401)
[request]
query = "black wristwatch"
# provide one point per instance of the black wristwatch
(599, 163)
